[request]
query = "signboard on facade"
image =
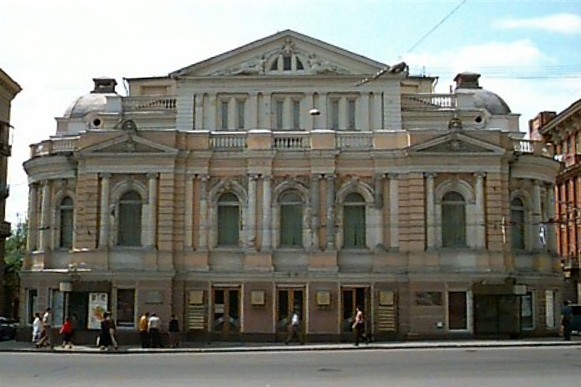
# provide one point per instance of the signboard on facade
(97, 307)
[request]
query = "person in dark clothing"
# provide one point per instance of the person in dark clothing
(174, 332)
(105, 339)
(359, 327)
(567, 321)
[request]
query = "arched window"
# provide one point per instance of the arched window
(453, 220)
(228, 220)
(291, 220)
(129, 232)
(66, 223)
(354, 224)
(517, 222)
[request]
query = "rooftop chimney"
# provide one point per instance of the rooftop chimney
(538, 122)
(467, 81)
(104, 85)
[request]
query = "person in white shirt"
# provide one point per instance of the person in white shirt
(154, 331)
(46, 336)
(36, 328)
(294, 329)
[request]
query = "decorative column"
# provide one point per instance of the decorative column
(480, 222)
(189, 212)
(251, 212)
(394, 211)
(203, 216)
(308, 121)
(315, 223)
(551, 228)
(32, 241)
(536, 218)
(266, 214)
(330, 211)
(363, 113)
(378, 193)
(322, 118)
(152, 213)
(430, 209)
(343, 113)
(105, 212)
(45, 216)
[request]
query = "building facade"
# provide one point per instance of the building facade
(272, 178)
(563, 132)
(8, 90)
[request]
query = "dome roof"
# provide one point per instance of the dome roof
(485, 99)
(95, 102)
(90, 103)
(467, 84)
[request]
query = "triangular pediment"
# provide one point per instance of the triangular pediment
(286, 52)
(456, 143)
(128, 143)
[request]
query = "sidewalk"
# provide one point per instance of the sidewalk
(194, 347)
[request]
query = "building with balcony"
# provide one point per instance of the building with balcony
(270, 179)
(8, 90)
(563, 132)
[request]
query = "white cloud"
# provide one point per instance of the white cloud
(516, 71)
(563, 23)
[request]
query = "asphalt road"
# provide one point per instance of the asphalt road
(514, 367)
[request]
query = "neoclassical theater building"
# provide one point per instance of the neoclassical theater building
(291, 174)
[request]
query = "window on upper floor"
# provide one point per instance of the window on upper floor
(279, 114)
(66, 225)
(334, 114)
(296, 114)
(240, 106)
(517, 223)
(228, 220)
(291, 220)
(129, 227)
(453, 220)
(351, 123)
(354, 223)
(224, 115)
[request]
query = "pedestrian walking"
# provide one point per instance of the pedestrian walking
(46, 336)
(105, 336)
(67, 333)
(154, 331)
(174, 332)
(144, 330)
(566, 321)
(294, 329)
(359, 327)
(36, 328)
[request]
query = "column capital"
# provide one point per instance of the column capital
(266, 177)
(252, 176)
(480, 174)
(153, 175)
(430, 175)
(379, 176)
(202, 177)
(393, 176)
(330, 176)
(105, 175)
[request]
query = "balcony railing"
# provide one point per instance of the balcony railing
(428, 101)
(56, 145)
(289, 141)
(227, 140)
(149, 103)
(354, 140)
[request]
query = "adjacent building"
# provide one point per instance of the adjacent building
(8, 90)
(291, 174)
(563, 132)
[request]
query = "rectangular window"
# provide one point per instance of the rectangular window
(296, 114)
(224, 112)
(125, 307)
(335, 114)
(240, 105)
(527, 311)
(354, 227)
(551, 311)
(279, 114)
(228, 217)
(291, 226)
(351, 114)
(58, 307)
(457, 311)
(287, 63)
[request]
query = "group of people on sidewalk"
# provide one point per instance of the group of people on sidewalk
(358, 328)
(150, 331)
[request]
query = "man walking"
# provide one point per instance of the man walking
(46, 339)
(567, 320)
(144, 330)
(154, 332)
(294, 329)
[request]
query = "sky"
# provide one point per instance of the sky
(528, 51)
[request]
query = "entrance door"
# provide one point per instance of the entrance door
(351, 298)
(288, 300)
(226, 314)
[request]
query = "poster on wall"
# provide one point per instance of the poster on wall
(97, 307)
